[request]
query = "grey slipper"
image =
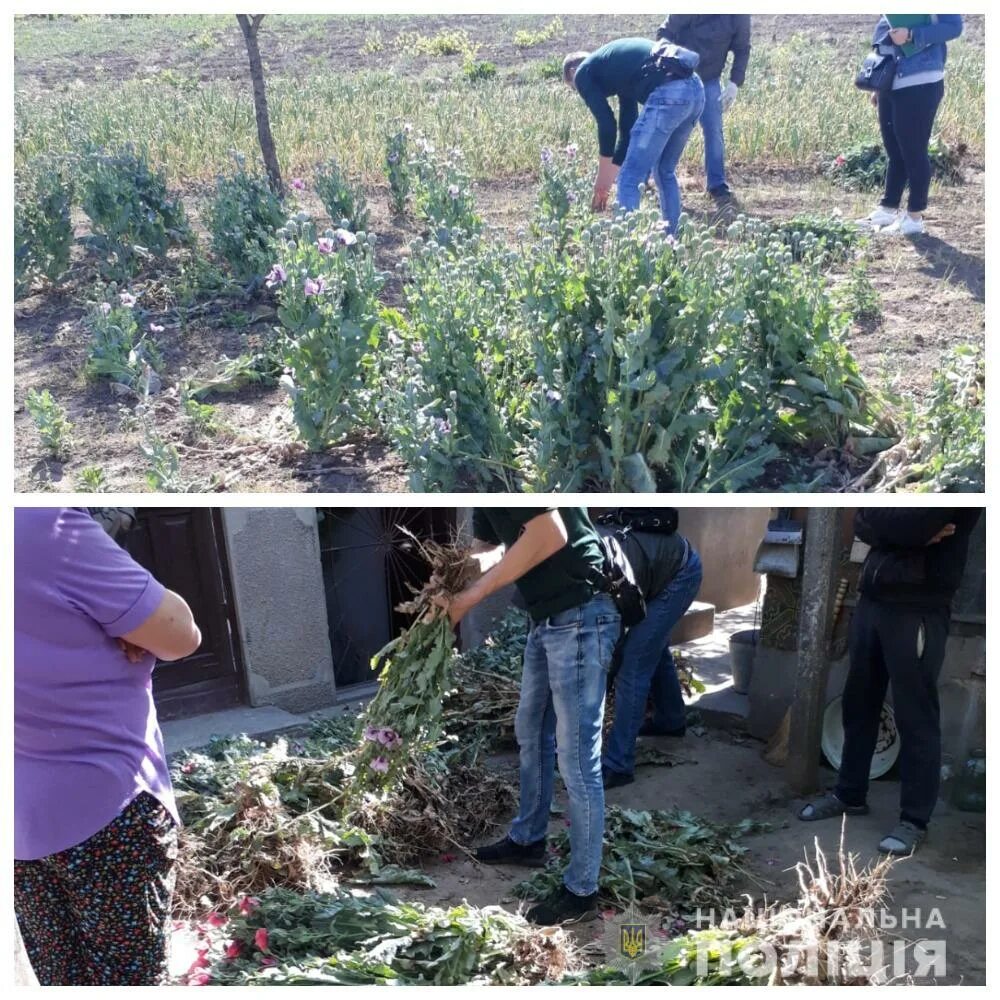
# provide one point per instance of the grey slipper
(903, 841)
(827, 807)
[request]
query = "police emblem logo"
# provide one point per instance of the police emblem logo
(629, 943)
(633, 941)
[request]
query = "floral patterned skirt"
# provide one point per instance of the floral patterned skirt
(98, 914)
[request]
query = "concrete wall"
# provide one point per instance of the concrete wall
(726, 539)
(280, 606)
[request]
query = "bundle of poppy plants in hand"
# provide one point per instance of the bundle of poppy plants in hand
(404, 717)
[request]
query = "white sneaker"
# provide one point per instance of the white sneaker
(905, 225)
(878, 219)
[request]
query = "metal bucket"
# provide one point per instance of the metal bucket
(742, 650)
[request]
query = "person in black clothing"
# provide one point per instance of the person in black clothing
(713, 37)
(668, 571)
(898, 635)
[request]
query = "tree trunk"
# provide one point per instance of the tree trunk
(815, 617)
(250, 24)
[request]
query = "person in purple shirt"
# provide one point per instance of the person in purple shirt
(95, 824)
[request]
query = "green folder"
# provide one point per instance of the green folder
(907, 21)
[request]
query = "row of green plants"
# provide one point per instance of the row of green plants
(590, 353)
(134, 219)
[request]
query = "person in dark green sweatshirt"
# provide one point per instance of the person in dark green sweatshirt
(611, 71)
(899, 631)
(671, 109)
(554, 556)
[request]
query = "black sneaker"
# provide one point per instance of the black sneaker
(648, 729)
(615, 779)
(722, 194)
(563, 907)
(509, 852)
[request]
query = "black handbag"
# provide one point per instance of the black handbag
(877, 73)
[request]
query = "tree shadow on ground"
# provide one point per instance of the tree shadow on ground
(946, 263)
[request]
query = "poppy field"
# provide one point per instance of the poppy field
(430, 304)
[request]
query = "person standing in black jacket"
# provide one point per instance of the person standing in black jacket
(713, 37)
(898, 634)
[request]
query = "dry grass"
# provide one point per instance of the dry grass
(819, 939)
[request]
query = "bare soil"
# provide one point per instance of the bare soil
(290, 46)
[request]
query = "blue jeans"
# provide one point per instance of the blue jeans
(656, 143)
(715, 143)
(648, 668)
(565, 678)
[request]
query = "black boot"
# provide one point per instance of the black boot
(648, 729)
(563, 907)
(615, 779)
(509, 852)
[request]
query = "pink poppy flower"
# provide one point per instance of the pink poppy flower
(260, 938)
(345, 236)
(379, 764)
(840, 161)
(127, 299)
(313, 286)
(156, 328)
(188, 767)
(324, 244)
(389, 738)
(276, 276)
(298, 183)
(216, 919)
(248, 904)
(105, 308)
(268, 962)
(372, 733)
(454, 190)
(199, 979)
(233, 949)
(571, 150)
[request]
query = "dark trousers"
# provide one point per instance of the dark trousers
(885, 646)
(98, 914)
(906, 118)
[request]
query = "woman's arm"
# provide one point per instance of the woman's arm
(947, 27)
(170, 632)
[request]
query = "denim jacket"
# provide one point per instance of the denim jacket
(930, 39)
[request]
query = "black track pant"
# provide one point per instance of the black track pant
(904, 646)
(906, 118)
